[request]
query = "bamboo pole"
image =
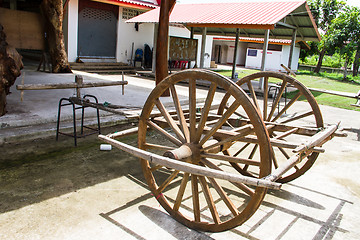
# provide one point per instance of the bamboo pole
(187, 167)
(317, 139)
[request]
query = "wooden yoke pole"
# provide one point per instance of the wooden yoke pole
(162, 42)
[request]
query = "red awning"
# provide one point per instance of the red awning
(148, 4)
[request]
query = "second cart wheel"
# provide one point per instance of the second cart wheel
(288, 123)
(194, 133)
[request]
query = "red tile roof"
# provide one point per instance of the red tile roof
(241, 13)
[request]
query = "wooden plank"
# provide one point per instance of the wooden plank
(23, 29)
(47, 86)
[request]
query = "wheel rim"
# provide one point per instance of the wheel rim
(213, 208)
(286, 116)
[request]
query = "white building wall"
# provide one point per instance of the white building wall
(208, 50)
(227, 52)
(127, 35)
(179, 32)
(295, 57)
(274, 59)
(72, 30)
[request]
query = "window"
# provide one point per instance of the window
(128, 13)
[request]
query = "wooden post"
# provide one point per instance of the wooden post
(235, 53)
(162, 41)
(79, 83)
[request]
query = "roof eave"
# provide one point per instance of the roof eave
(142, 6)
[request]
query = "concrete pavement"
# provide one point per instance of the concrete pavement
(76, 197)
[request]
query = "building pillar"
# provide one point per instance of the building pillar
(72, 35)
(156, 28)
(235, 53)
(203, 45)
(292, 48)
(263, 60)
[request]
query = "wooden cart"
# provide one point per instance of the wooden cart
(217, 158)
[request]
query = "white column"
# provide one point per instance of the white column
(263, 60)
(203, 45)
(292, 47)
(235, 53)
(72, 43)
(156, 28)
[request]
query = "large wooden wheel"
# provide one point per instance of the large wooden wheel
(287, 123)
(196, 134)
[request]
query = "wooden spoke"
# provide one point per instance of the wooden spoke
(165, 133)
(229, 124)
(168, 181)
(209, 199)
(242, 132)
(231, 159)
(253, 151)
(192, 109)
(157, 167)
(205, 111)
(252, 94)
(277, 100)
(241, 149)
(221, 121)
(180, 113)
(238, 114)
(224, 196)
(284, 152)
(273, 157)
(181, 191)
(266, 92)
(309, 113)
(156, 146)
(170, 120)
(195, 197)
(287, 133)
(287, 106)
(243, 187)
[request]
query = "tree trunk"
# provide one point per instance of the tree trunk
(52, 11)
(345, 69)
(356, 62)
(321, 57)
(10, 66)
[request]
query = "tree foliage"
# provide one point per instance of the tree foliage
(343, 34)
(324, 12)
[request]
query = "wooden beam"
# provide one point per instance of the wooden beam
(68, 85)
(188, 167)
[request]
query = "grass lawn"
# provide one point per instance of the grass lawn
(325, 81)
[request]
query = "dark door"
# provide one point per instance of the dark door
(97, 31)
